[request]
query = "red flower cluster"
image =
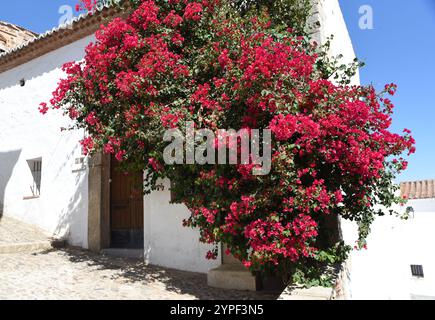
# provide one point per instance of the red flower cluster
(86, 5)
(193, 11)
(273, 238)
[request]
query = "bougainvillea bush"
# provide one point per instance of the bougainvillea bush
(173, 61)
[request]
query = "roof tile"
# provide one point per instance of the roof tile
(423, 189)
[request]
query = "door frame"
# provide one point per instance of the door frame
(99, 202)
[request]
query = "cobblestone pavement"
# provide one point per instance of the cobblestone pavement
(13, 231)
(77, 274)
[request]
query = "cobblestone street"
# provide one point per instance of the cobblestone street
(72, 273)
(77, 274)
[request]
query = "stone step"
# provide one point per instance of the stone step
(313, 293)
(233, 277)
(23, 247)
(124, 253)
(17, 236)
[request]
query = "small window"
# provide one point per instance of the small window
(79, 161)
(417, 271)
(79, 164)
(36, 169)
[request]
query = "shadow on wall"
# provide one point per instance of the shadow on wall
(8, 160)
(41, 66)
(8, 82)
(72, 224)
(72, 220)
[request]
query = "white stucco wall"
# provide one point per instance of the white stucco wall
(25, 134)
(331, 22)
(167, 242)
(383, 271)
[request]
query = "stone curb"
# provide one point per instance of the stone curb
(24, 247)
(314, 293)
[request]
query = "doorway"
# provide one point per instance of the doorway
(126, 208)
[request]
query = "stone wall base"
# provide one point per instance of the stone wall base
(314, 293)
(233, 277)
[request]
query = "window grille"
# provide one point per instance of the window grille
(417, 271)
(36, 168)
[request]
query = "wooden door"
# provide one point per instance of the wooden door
(126, 207)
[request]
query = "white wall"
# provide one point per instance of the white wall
(383, 270)
(328, 13)
(25, 134)
(167, 242)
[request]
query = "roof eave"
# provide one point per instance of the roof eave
(78, 28)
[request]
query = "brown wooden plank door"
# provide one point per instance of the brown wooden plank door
(126, 208)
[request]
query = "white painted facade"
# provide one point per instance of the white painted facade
(331, 23)
(383, 271)
(167, 242)
(25, 134)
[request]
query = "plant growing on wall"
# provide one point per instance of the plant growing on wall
(89, 5)
(172, 61)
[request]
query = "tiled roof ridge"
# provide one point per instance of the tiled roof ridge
(18, 26)
(421, 189)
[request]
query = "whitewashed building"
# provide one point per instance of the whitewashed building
(45, 181)
(399, 262)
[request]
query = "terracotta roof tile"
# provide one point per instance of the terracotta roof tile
(424, 189)
(12, 36)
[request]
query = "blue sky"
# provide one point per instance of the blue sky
(38, 16)
(400, 49)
